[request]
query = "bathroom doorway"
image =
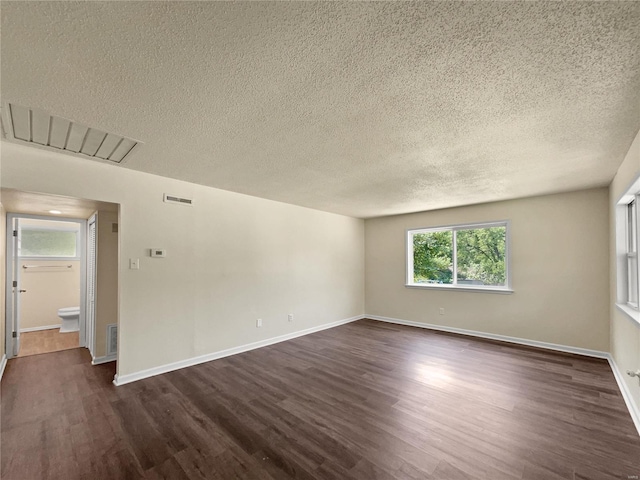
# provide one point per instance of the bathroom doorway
(47, 277)
(87, 243)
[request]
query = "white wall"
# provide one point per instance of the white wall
(559, 269)
(625, 333)
(231, 259)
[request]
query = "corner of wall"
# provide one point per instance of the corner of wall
(624, 333)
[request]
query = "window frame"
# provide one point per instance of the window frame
(625, 255)
(455, 286)
(53, 258)
(631, 254)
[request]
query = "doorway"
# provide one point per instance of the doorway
(97, 251)
(46, 284)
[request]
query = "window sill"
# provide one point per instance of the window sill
(631, 313)
(451, 288)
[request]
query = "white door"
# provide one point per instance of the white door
(91, 285)
(16, 289)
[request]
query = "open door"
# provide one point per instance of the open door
(13, 288)
(37, 247)
(17, 286)
(91, 285)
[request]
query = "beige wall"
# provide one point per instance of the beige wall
(107, 279)
(231, 259)
(559, 269)
(625, 333)
(3, 228)
(47, 290)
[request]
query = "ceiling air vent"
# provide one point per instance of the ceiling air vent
(173, 199)
(42, 129)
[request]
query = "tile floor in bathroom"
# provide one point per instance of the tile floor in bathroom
(45, 341)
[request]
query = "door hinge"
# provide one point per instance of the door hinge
(15, 334)
(15, 233)
(15, 283)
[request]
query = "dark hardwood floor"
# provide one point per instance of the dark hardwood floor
(366, 400)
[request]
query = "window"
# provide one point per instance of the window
(48, 243)
(470, 257)
(632, 253)
(627, 247)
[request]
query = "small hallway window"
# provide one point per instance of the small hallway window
(48, 242)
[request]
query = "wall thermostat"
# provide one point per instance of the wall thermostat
(158, 252)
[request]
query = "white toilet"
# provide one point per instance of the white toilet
(70, 319)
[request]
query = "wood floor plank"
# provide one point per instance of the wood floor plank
(146, 442)
(198, 466)
(361, 401)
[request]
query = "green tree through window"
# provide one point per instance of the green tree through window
(433, 257)
(480, 256)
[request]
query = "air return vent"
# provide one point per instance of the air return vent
(173, 199)
(112, 339)
(42, 129)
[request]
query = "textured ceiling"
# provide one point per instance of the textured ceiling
(364, 109)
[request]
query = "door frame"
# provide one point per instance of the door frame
(90, 307)
(9, 308)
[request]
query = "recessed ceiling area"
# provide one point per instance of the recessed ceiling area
(364, 109)
(30, 203)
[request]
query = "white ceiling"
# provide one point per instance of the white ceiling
(363, 109)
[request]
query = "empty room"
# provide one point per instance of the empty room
(320, 240)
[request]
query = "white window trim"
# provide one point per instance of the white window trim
(621, 249)
(632, 313)
(506, 289)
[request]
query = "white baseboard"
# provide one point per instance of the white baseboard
(105, 359)
(3, 364)
(132, 377)
(634, 410)
(493, 336)
(37, 329)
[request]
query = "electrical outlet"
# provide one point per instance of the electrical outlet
(290, 317)
(259, 323)
(441, 311)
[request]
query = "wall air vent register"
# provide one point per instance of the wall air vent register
(43, 130)
(174, 199)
